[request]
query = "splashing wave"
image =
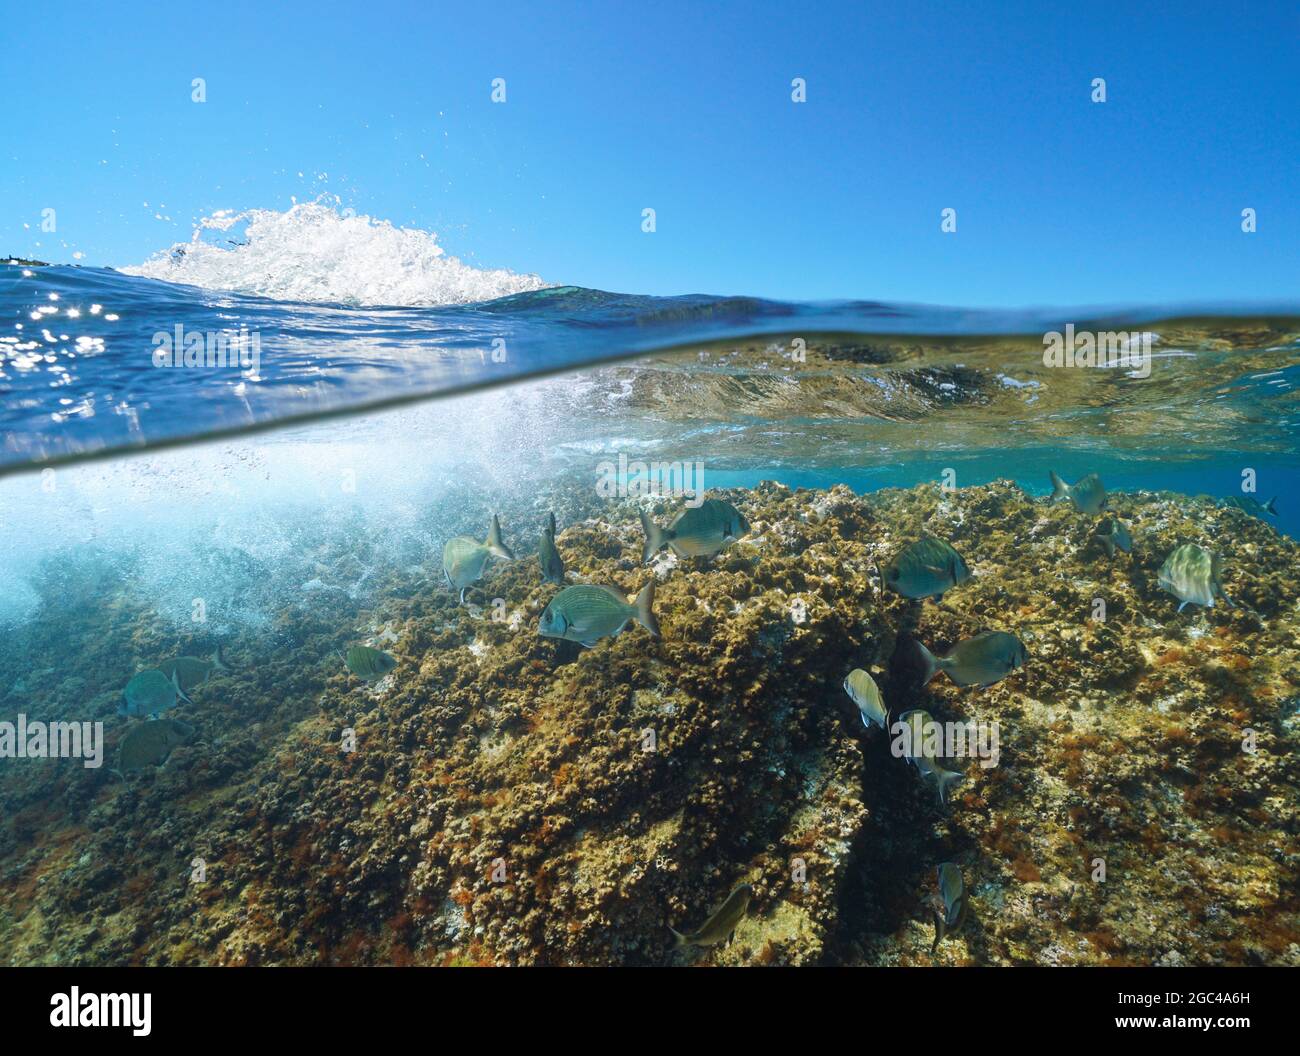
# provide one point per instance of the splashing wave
(317, 252)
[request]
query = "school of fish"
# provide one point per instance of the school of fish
(923, 570)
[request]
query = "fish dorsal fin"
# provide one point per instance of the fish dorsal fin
(616, 593)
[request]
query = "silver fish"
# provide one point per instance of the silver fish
(1088, 494)
(721, 923)
(1193, 574)
(1114, 535)
(586, 613)
(151, 693)
(912, 727)
(463, 557)
(925, 569)
(369, 664)
(549, 555)
(149, 743)
(979, 661)
(950, 914)
(192, 672)
(864, 692)
(1253, 506)
(698, 532)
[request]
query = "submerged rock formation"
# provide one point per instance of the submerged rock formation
(503, 798)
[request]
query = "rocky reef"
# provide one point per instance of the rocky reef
(506, 799)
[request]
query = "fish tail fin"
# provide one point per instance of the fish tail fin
(930, 661)
(679, 940)
(940, 930)
(176, 682)
(645, 608)
(655, 538)
(1271, 506)
(218, 661)
(496, 546)
(946, 779)
(1060, 489)
(550, 524)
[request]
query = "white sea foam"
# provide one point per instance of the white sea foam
(316, 252)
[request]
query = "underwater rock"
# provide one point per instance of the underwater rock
(508, 798)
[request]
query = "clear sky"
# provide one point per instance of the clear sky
(912, 107)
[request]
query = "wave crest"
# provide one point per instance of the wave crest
(315, 251)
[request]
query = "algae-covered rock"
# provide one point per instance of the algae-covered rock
(504, 798)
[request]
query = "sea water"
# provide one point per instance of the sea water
(264, 441)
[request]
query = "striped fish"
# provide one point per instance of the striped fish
(549, 555)
(952, 899)
(463, 557)
(151, 693)
(587, 613)
(1193, 575)
(1088, 494)
(369, 664)
(698, 532)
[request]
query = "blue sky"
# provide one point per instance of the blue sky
(685, 107)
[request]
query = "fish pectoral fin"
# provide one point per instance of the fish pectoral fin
(589, 645)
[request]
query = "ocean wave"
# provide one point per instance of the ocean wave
(317, 252)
